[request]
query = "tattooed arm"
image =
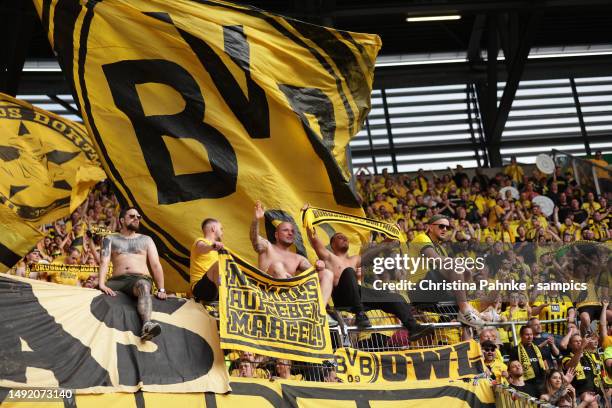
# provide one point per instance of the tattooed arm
(304, 264)
(105, 256)
(259, 244)
(156, 268)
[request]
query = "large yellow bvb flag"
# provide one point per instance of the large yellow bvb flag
(47, 168)
(199, 108)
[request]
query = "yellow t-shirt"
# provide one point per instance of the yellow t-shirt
(591, 207)
(557, 308)
(517, 315)
(70, 276)
(607, 342)
(488, 232)
(497, 367)
(199, 264)
(515, 172)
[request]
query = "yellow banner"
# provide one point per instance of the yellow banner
(201, 108)
(16, 238)
(81, 339)
(256, 393)
(279, 318)
(449, 362)
(315, 216)
(47, 166)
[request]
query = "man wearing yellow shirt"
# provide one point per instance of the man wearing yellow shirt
(553, 305)
(382, 202)
(486, 231)
(598, 227)
(568, 225)
(68, 273)
(414, 189)
(204, 261)
(514, 171)
(497, 370)
(590, 205)
(517, 311)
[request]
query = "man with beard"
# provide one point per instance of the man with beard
(429, 245)
(129, 252)
(204, 261)
(278, 261)
(348, 293)
(517, 381)
(530, 357)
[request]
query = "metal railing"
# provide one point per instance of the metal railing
(508, 397)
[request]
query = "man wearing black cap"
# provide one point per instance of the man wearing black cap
(496, 368)
(429, 245)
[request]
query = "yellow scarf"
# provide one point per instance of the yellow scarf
(528, 372)
(595, 366)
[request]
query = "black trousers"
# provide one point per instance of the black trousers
(348, 293)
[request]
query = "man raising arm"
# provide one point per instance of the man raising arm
(278, 260)
(348, 293)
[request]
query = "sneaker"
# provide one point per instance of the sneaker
(331, 322)
(418, 331)
(150, 330)
(362, 321)
(470, 318)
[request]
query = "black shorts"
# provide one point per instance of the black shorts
(593, 311)
(206, 290)
(125, 283)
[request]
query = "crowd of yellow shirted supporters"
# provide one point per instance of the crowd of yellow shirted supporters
(514, 236)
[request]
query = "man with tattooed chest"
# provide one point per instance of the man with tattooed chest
(129, 253)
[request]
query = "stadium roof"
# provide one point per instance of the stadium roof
(551, 57)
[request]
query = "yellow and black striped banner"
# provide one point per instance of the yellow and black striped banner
(256, 393)
(47, 167)
(59, 336)
(282, 318)
(457, 361)
(315, 216)
(199, 108)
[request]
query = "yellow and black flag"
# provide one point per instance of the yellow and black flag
(47, 167)
(199, 108)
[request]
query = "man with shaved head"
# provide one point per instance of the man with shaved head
(278, 261)
(348, 293)
(204, 261)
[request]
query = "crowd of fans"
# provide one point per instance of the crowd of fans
(75, 240)
(481, 213)
(567, 366)
(519, 241)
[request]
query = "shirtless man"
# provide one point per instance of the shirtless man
(348, 293)
(129, 253)
(278, 261)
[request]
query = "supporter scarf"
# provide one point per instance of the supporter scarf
(526, 362)
(314, 216)
(595, 366)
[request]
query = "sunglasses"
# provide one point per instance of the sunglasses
(134, 216)
(489, 349)
(443, 226)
